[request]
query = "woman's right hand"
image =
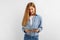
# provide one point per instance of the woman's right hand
(27, 30)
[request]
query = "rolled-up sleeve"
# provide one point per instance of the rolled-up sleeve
(23, 29)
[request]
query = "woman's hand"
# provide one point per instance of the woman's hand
(27, 30)
(35, 30)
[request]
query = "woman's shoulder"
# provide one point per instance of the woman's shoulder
(38, 16)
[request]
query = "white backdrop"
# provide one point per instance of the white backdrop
(11, 15)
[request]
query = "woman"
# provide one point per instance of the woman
(31, 23)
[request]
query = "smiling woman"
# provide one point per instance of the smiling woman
(31, 23)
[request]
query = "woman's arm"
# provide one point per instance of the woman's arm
(39, 24)
(25, 30)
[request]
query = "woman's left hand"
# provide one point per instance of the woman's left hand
(35, 30)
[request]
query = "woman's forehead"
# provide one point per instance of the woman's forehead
(31, 7)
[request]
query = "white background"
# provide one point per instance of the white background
(11, 15)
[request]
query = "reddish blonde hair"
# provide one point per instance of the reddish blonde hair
(26, 14)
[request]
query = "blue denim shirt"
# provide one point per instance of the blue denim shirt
(36, 24)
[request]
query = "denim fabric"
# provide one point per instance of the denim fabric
(28, 37)
(36, 24)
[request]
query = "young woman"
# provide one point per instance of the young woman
(31, 23)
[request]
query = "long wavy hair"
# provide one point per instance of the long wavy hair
(26, 14)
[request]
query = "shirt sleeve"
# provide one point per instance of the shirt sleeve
(40, 25)
(23, 29)
(37, 24)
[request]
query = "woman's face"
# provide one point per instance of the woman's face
(31, 10)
